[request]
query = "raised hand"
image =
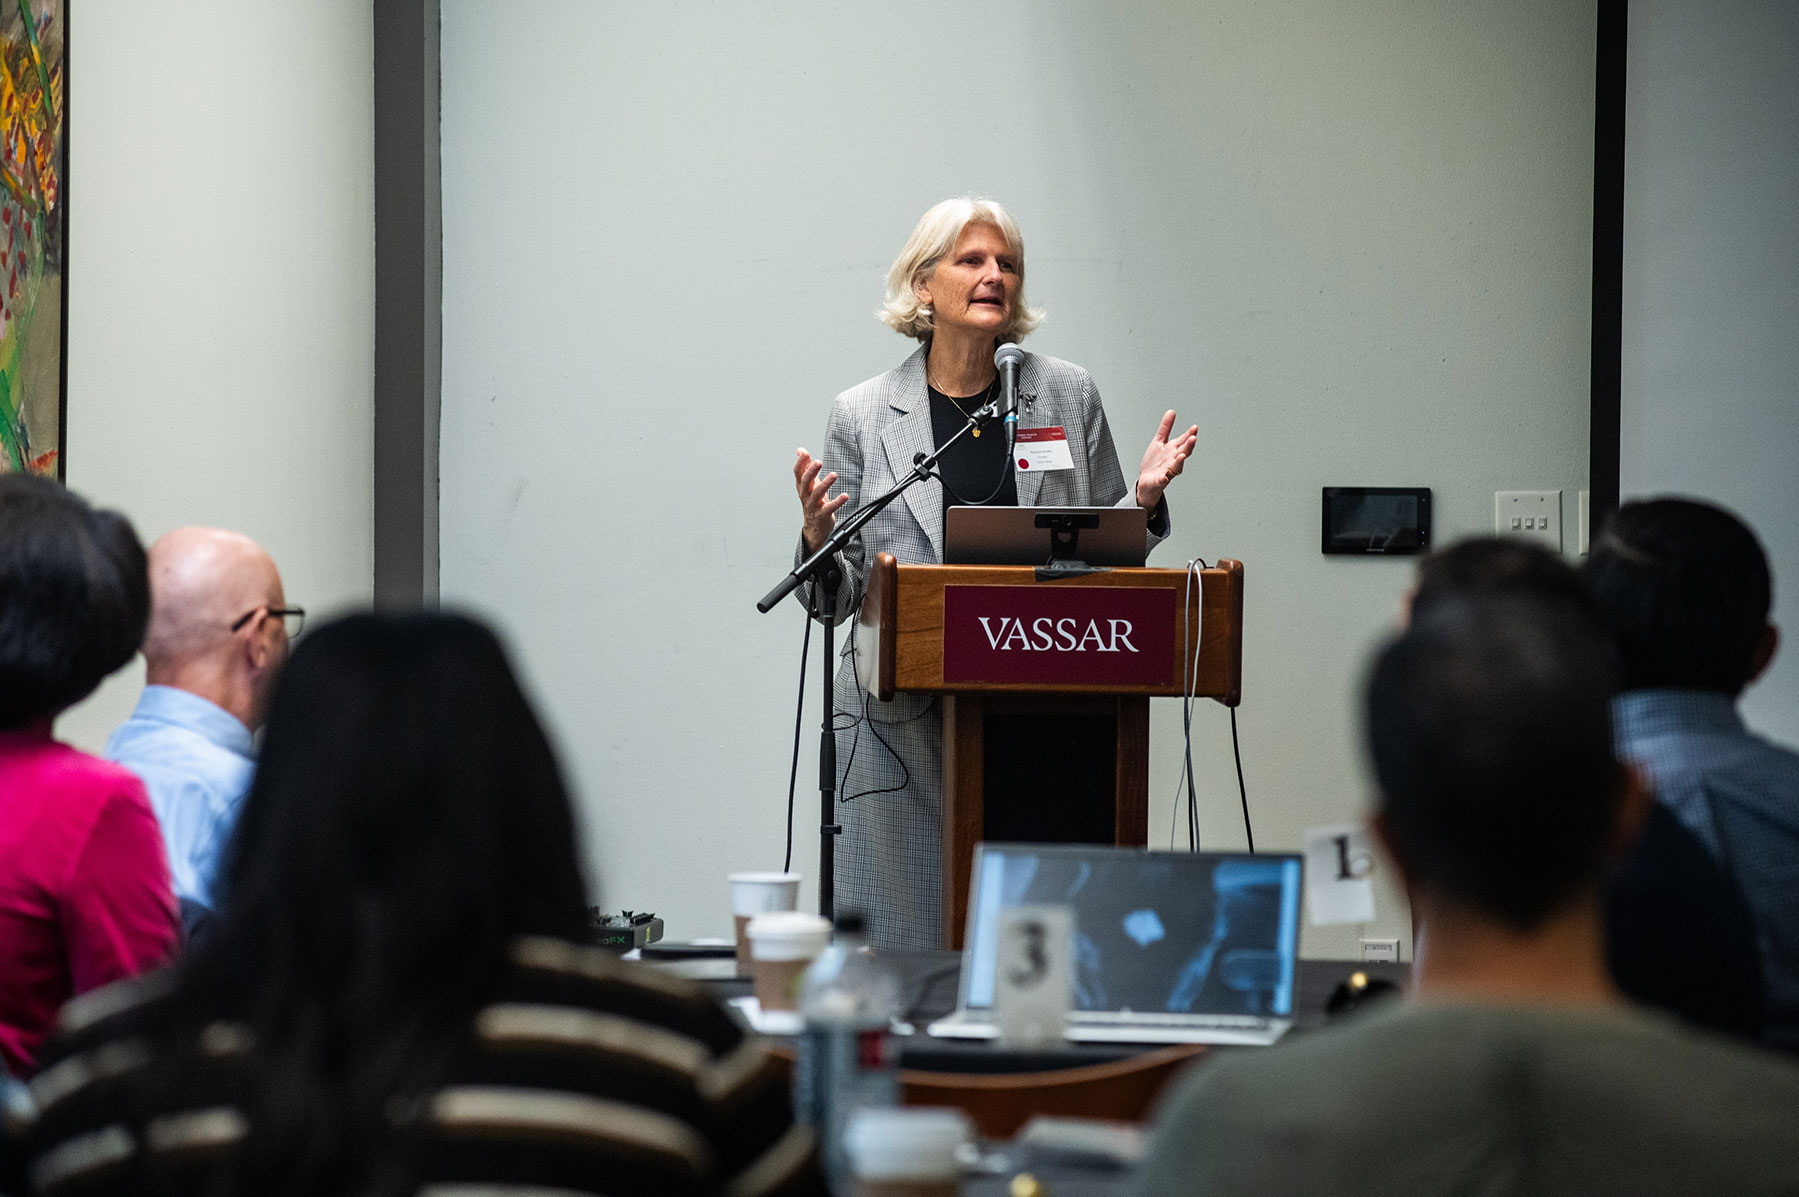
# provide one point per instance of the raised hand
(1162, 461)
(818, 510)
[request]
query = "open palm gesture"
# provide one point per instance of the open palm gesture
(1163, 460)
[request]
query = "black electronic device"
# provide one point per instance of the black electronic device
(687, 949)
(1376, 519)
(622, 932)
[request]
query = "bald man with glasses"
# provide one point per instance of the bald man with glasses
(219, 631)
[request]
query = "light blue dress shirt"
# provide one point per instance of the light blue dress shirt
(1740, 794)
(196, 760)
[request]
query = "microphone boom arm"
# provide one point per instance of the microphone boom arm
(923, 466)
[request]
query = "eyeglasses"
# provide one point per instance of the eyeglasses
(293, 619)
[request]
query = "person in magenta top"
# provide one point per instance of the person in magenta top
(84, 881)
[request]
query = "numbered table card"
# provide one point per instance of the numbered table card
(1033, 984)
(1339, 859)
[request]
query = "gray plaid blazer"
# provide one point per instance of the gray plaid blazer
(887, 860)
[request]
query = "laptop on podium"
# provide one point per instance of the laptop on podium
(1169, 947)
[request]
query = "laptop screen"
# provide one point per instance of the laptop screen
(1163, 932)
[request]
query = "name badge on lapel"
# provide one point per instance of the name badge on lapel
(1043, 449)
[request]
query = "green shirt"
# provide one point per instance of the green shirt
(1463, 1099)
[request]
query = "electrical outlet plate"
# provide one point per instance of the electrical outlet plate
(1380, 950)
(1536, 514)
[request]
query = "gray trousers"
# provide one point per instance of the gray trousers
(889, 858)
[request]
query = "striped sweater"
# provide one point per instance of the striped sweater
(589, 1076)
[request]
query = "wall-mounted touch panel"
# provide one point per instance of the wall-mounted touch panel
(1376, 519)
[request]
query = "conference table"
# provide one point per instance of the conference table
(929, 981)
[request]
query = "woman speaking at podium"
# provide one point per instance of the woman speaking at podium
(958, 288)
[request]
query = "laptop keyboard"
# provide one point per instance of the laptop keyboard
(1133, 1018)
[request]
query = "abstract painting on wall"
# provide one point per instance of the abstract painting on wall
(33, 233)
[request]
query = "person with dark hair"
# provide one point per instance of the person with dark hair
(84, 883)
(1500, 565)
(396, 994)
(1686, 590)
(1678, 934)
(1516, 1067)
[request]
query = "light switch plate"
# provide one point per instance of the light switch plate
(1382, 951)
(1536, 514)
(1585, 530)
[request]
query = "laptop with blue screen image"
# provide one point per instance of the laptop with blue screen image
(1169, 947)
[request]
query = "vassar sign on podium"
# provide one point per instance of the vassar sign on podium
(1025, 633)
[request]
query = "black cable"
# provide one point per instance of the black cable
(1174, 814)
(855, 741)
(1187, 741)
(799, 715)
(925, 986)
(1243, 793)
(838, 724)
(1189, 680)
(1005, 471)
(866, 717)
(1187, 771)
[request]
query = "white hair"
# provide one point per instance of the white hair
(937, 233)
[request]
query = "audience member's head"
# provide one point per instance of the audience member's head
(1488, 723)
(407, 823)
(1677, 934)
(73, 597)
(1686, 590)
(1495, 566)
(407, 810)
(216, 627)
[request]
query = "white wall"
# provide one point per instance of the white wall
(1351, 240)
(1711, 284)
(221, 286)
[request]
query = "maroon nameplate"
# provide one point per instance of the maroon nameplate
(1054, 635)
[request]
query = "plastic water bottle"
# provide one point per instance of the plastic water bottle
(845, 1059)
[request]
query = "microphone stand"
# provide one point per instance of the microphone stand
(822, 567)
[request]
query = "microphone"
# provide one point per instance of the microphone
(1008, 357)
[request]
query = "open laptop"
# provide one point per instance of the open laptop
(1169, 947)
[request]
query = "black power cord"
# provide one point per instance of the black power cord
(1005, 470)
(857, 722)
(799, 715)
(1237, 752)
(1189, 680)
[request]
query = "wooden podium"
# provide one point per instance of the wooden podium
(1014, 657)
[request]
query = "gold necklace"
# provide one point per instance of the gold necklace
(986, 396)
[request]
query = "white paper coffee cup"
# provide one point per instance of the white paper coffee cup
(910, 1150)
(758, 893)
(783, 943)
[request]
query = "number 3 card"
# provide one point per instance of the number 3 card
(1033, 986)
